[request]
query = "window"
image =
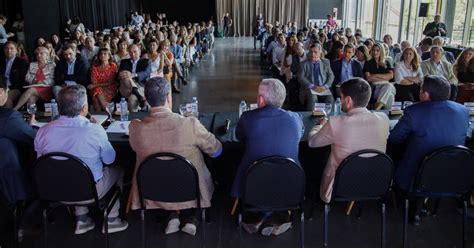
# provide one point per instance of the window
(458, 22)
(391, 19)
(367, 17)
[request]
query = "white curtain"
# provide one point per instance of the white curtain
(244, 12)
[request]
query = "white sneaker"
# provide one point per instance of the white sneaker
(173, 226)
(189, 228)
(83, 227)
(117, 225)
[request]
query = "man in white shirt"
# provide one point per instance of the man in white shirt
(278, 53)
(359, 129)
(74, 134)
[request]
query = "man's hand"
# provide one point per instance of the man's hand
(31, 119)
(320, 89)
(124, 75)
(323, 121)
(93, 120)
(91, 86)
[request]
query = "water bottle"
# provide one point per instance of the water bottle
(195, 107)
(123, 110)
(242, 107)
(54, 110)
(337, 106)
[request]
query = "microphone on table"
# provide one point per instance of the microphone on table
(226, 125)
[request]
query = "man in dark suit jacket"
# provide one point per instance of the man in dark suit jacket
(71, 69)
(347, 67)
(267, 131)
(13, 129)
(132, 76)
(14, 70)
(424, 128)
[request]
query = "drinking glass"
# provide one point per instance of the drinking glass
(110, 110)
(31, 109)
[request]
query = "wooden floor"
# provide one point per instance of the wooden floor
(231, 72)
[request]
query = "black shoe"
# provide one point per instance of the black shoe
(425, 213)
(184, 81)
(175, 90)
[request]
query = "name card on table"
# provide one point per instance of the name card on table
(470, 106)
(319, 109)
(396, 109)
(118, 127)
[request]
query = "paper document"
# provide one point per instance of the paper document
(326, 92)
(118, 127)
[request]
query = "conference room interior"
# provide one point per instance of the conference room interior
(221, 76)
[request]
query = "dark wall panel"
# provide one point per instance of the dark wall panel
(319, 9)
(181, 10)
(41, 19)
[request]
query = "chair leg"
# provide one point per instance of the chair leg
(203, 224)
(464, 220)
(383, 225)
(405, 223)
(240, 229)
(302, 228)
(15, 226)
(106, 228)
(435, 206)
(208, 215)
(326, 225)
(45, 226)
(142, 217)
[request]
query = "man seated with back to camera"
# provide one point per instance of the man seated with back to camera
(164, 131)
(315, 77)
(358, 130)
(264, 131)
(74, 134)
(423, 130)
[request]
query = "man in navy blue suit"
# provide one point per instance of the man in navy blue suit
(347, 67)
(433, 123)
(267, 131)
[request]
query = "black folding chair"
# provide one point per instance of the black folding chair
(363, 176)
(273, 184)
(168, 177)
(60, 178)
(447, 172)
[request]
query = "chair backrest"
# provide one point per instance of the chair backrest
(61, 177)
(274, 183)
(447, 170)
(366, 174)
(167, 177)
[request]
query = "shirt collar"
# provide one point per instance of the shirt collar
(72, 62)
(160, 109)
(10, 60)
(78, 118)
(358, 110)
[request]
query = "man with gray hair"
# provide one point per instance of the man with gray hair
(315, 77)
(267, 131)
(435, 65)
(164, 131)
(74, 134)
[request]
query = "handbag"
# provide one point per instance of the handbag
(166, 69)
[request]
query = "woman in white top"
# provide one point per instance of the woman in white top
(122, 52)
(40, 77)
(408, 76)
(156, 58)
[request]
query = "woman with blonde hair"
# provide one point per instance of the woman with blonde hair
(40, 77)
(464, 72)
(408, 76)
(378, 72)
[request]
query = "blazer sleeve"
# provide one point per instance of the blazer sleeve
(425, 68)
(357, 69)
(205, 140)
(144, 74)
(335, 69)
(329, 73)
(30, 75)
(321, 136)
(19, 129)
(302, 76)
(402, 130)
(240, 129)
(58, 73)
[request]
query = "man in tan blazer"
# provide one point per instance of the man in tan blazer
(165, 131)
(437, 66)
(359, 129)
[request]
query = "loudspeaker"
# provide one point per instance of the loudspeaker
(423, 9)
